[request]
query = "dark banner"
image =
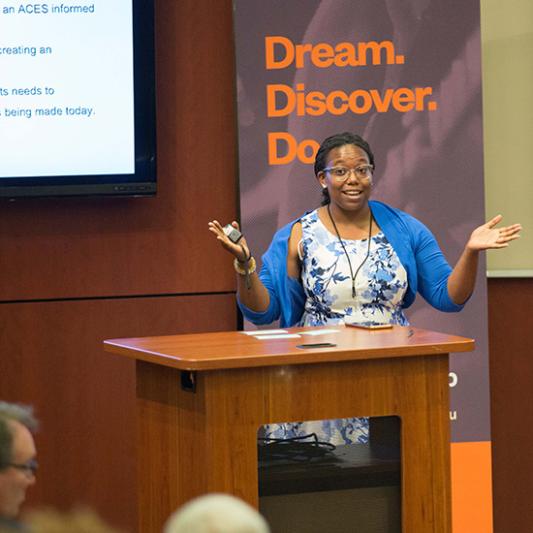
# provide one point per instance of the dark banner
(405, 75)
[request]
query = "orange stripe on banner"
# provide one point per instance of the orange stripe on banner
(471, 487)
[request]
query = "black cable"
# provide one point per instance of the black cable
(293, 448)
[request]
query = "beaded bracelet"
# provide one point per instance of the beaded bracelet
(250, 263)
(249, 267)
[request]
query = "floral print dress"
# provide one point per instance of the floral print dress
(380, 287)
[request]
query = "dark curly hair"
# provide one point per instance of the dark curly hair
(335, 141)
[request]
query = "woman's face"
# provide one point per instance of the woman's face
(352, 192)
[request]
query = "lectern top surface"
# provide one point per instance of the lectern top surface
(238, 349)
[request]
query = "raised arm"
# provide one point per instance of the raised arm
(463, 277)
(250, 289)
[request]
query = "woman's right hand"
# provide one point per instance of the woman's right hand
(240, 250)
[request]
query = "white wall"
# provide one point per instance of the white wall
(507, 47)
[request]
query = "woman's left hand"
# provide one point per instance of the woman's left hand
(487, 236)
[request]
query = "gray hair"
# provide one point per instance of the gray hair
(216, 513)
(13, 412)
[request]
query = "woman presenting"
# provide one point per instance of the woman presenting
(353, 260)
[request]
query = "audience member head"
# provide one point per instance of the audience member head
(17, 456)
(76, 521)
(216, 513)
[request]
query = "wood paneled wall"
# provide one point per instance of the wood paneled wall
(511, 385)
(77, 271)
(109, 247)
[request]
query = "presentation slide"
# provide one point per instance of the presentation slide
(66, 89)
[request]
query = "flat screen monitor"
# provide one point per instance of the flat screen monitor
(77, 98)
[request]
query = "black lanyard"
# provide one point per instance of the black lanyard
(354, 276)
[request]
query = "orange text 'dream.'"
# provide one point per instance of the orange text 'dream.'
(281, 52)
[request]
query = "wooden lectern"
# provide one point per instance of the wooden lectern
(202, 397)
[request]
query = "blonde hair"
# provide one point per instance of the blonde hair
(216, 513)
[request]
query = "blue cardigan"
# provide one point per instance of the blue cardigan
(418, 251)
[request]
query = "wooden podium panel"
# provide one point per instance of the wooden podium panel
(201, 399)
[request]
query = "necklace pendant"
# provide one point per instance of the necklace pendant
(353, 290)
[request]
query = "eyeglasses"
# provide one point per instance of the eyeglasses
(29, 468)
(341, 174)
